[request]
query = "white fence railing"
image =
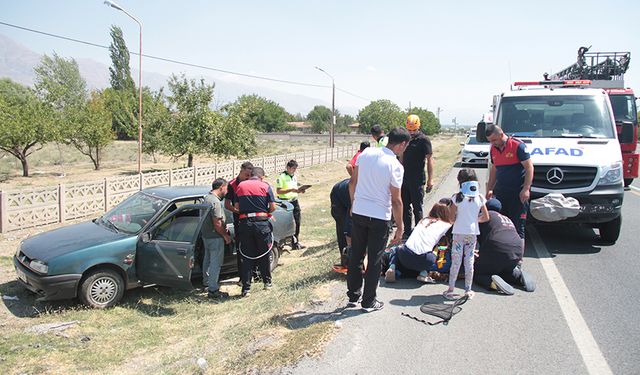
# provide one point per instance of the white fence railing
(56, 204)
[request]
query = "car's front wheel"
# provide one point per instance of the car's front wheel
(101, 288)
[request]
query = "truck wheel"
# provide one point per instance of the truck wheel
(627, 181)
(610, 231)
(101, 288)
(274, 256)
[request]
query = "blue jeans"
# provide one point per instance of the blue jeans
(213, 258)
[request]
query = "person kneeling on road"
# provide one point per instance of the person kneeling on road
(255, 202)
(417, 253)
(501, 251)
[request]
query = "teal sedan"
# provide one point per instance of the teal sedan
(153, 237)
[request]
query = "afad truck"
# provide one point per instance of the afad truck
(606, 70)
(570, 132)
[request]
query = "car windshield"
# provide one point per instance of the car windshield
(624, 108)
(556, 116)
(472, 140)
(133, 214)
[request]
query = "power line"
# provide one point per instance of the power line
(173, 61)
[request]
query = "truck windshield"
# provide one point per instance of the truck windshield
(624, 108)
(556, 116)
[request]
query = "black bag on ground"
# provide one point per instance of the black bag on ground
(441, 310)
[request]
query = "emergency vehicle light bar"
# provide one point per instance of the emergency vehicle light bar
(570, 82)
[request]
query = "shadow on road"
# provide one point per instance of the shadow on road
(567, 239)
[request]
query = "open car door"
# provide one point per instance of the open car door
(165, 252)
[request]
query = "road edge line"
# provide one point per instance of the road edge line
(587, 346)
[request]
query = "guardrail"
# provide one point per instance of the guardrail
(28, 208)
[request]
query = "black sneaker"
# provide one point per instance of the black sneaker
(298, 246)
(525, 279)
(245, 293)
(377, 305)
(501, 285)
(268, 286)
(218, 295)
(352, 304)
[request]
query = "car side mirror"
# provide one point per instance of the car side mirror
(626, 135)
(145, 237)
(481, 128)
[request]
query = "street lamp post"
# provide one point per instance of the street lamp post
(332, 130)
(118, 7)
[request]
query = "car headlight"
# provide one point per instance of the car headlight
(18, 250)
(613, 176)
(39, 266)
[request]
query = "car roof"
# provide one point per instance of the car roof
(174, 192)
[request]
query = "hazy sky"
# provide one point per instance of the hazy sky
(454, 54)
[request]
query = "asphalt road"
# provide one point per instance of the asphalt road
(581, 319)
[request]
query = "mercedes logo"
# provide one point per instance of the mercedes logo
(555, 176)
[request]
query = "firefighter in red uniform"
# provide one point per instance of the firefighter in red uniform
(510, 176)
(255, 202)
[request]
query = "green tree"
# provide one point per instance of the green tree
(191, 124)
(259, 113)
(25, 122)
(59, 83)
(92, 132)
(429, 123)
(123, 102)
(343, 122)
(120, 72)
(157, 119)
(230, 136)
(382, 112)
(320, 117)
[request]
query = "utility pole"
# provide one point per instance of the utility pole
(332, 128)
(438, 110)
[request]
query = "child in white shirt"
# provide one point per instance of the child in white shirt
(470, 205)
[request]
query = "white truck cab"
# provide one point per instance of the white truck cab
(571, 136)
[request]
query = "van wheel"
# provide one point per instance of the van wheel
(627, 181)
(101, 288)
(610, 231)
(274, 256)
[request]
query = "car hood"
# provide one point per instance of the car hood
(65, 240)
(477, 148)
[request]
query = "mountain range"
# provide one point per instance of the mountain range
(18, 62)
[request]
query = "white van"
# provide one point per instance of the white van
(571, 136)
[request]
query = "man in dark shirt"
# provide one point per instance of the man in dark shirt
(501, 251)
(340, 207)
(413, 185)
(255, 202)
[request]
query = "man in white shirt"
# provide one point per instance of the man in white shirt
(375, 192)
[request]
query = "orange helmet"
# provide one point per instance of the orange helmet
(413, 122)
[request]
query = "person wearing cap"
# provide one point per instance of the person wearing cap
(470, 211)
(417, 154)
(510, 176)
(352, 162)
(374, 189)
(255, 202)
(500, 254)
(341, 213)
(377, 133)
(287, 190)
